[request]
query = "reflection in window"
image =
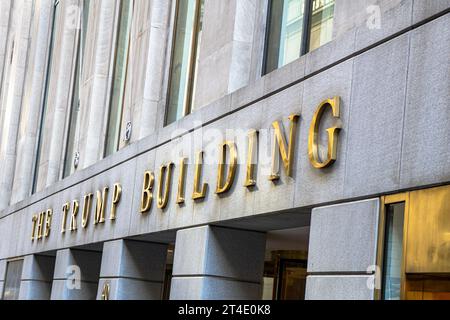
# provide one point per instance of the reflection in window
(43, 115)
(292, 25)
(393, 252)
(285, 37)
(185, 55)
(12, 281)
(75, 103)
(321, 23)
(119, 77)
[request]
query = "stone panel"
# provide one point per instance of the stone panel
(424, 9)
(211, 288)
(313, 186)
(426, 155)
(376, 119)
(130, 289)
(343, 238)
(220, 252)
(339, 288)
(134, 259)
(35, 290)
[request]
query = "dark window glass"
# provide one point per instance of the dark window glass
(393, 252)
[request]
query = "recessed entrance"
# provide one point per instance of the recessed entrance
(286, 263)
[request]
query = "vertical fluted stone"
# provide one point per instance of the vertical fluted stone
(32, 105)
(12, 97)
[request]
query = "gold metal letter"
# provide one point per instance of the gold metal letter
(333, 135)
(199, 194)
(87, 204)
(252, 155)
(165, 174)
(286, 156)
(117, 194)
(101, 206)
(48, 223)
(147, 191)
(221, 187)
(73, 220)
(33, 230)
(105, 291)
(40, 226)
(181, 182)
(65, 210)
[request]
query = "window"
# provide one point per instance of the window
(42, 119)
(75, 102)
(119, 77)
(321, 23)
(13, 279)
(393, 251)
(185, 53)
(295, 27)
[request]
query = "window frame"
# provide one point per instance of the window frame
(188, 99)
(306, 33)
(112, 73)
(381, 246)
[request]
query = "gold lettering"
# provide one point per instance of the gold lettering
(181, 182)
(199, 194)
(117, 194)
(147, 192)
(222, 186)
(40, 226)
(48, 223)
(87, 204)
(286, 156)
(165, 174)
(105, 291)
(33, 230)
(101, 206)
(333, 135)
(65, 210)
(252, 154)
(73, 219)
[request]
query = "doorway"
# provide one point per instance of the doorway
(285, 267)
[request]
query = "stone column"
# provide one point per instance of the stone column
(29, 122)
(342, 251)
(225, 60)
(12, 99)
(213, 263)
(93, 130)
(37, 276)
(76, 275)
(153, 82)
(132, 270)
(67, 51)
(5, 13)
(2, 276)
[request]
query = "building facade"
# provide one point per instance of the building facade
(208, 149)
